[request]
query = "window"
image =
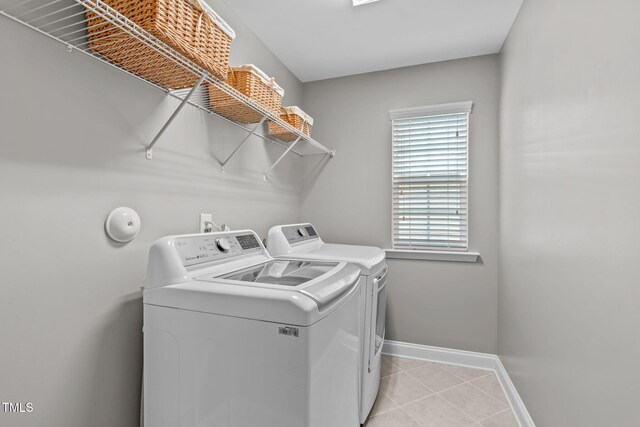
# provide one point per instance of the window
(430, 177)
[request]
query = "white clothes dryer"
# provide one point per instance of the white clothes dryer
(235, 338)
(301, 241)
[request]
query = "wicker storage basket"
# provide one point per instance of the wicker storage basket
(253, 83)
(296, 118)
(188, 26)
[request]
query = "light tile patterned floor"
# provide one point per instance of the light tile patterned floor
(416, 393)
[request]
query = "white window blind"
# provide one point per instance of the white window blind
(430, 177)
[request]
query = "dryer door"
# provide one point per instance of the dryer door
(381, 310)
(378, 316)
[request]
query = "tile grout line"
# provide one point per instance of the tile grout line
(452, 387)
(442, 366)
(461, 410)
(463, 382)
(414, 400)
(409, 415)
(458, 376)
(497, 413)
(434, 393)
(400, 407)
(402, 371)
(465, 412)
(384, 412)
(493, 397)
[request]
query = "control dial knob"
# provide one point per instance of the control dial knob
(223, 244)
(302, 232)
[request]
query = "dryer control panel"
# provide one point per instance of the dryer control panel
(299, 233)
(203, 248)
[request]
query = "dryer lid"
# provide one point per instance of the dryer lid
(368, 256)
(369, 259)
(301, 241)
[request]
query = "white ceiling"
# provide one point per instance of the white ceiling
(320, 39)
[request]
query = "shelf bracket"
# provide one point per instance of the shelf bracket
(266, 174)
(173, 116)
(326, 157)
(246, 138)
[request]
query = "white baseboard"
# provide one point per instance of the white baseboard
(519, 410)
(471, 359)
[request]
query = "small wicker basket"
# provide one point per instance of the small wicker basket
(188, 26)
(296, 118)
(253, 83)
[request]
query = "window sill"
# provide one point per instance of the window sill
(433, 255)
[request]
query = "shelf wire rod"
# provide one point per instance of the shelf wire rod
(149, 70)
(106, 29)
(242, 98)
(86, 52)
(121, 22)
(173, 116)
(32, 22)
(130, 53)
(5, 8)
(94, 36)
(18, 5)
(246, 138)
(266, 174)
(262, 110)
(238, 125)
(30, 11)
(318, 166)
(331, 153)
(73, 24)
(124, 25)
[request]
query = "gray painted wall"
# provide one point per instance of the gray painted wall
(569, 293)
(72, 133)
(436, 303)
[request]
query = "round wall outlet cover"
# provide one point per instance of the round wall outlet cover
(122, 225)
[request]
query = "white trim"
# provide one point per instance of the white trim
(469, 359)
(361, 2)
(433, 255)
(432, 110)
(439, 354)
(517, 405)
(450, 108)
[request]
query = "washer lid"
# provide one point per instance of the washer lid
(280, 272)
(300, 304)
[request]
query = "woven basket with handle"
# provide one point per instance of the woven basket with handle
(181, 24)
(250, 85)
(295, 121)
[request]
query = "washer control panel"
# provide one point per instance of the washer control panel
(194, 250)
(299, 233)
(223, 244)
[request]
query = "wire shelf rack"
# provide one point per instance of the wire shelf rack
(66, 21)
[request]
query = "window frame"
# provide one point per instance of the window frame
(440, 252)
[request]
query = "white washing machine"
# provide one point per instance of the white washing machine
(301, 241)
(233, 337)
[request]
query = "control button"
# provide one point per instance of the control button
(223, 244)
(302, 232)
